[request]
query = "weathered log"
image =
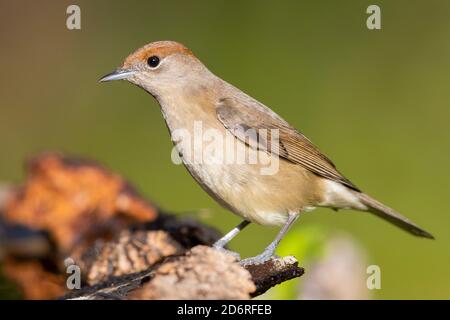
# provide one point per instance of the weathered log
(200, 273)
(125, 247)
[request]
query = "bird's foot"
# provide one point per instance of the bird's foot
(228, 252)
(259, 259)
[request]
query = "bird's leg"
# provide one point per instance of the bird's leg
(222, 242)
(270, 249)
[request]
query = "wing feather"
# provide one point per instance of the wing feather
(241, 115)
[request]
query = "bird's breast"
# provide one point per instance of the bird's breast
(253, 184)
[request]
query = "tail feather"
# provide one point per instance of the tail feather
(392, 216)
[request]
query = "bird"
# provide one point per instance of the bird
(191, 96)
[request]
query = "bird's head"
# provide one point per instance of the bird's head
(160, 68)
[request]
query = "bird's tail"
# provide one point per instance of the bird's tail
(392, 216)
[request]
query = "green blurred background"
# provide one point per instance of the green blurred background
(376, 102)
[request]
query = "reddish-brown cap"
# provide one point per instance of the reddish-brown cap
(159, 48)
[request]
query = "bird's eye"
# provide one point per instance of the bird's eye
(153, 61)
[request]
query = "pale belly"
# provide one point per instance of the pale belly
(263, 192)
(261, 198)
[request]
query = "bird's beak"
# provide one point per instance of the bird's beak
(119, 74)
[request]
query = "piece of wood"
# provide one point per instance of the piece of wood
(200, 273)
(125, 247)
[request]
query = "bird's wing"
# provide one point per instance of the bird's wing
(257, 126)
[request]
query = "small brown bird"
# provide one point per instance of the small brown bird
(304, 178)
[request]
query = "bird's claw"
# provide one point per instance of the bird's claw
(259, 259)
